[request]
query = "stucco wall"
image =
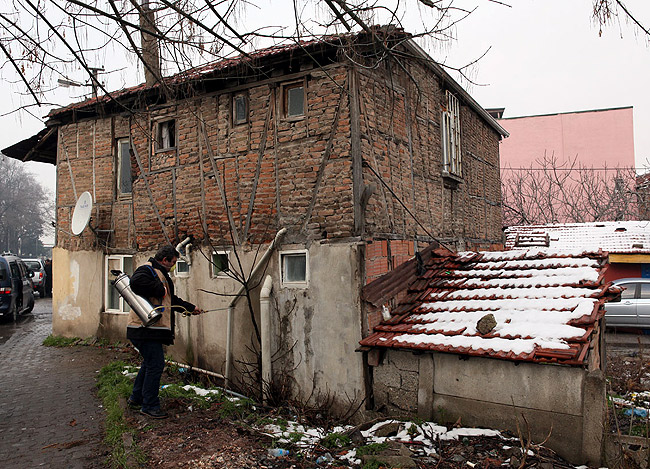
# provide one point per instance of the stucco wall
(77, 293)
(322, 328)
(567, 403)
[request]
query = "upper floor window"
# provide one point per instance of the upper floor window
(293, 96)
(451, 155)
(239, 109)
(166, 135)
(182, 268)
(124, 181)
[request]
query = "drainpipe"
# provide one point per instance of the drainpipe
(181, 245)
(231, 307)
(265, 326)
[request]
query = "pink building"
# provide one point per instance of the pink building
(601, 138)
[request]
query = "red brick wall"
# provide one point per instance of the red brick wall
(401, 140)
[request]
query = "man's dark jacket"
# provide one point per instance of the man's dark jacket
(146, 284)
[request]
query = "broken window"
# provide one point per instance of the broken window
(220, 266)
(166, 135)
(451, 155)
(294, 99)
(124, 180)
(114, 303)
(239, 109)
(293, 265)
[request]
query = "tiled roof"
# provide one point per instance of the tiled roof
(621, 237)
(203, 71)
(545, 303)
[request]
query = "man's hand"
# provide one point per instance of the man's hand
(197, 311)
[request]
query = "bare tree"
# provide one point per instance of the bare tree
(24, 209)
(550, 191)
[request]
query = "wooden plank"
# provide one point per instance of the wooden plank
(355, 150)
(258, 169)
(222, 191)
(134, 152)
(323, 163)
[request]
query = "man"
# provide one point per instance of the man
(151, 280)
(48, 277)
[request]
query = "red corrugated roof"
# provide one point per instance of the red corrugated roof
(545, 304)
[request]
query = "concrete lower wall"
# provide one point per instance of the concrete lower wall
(560, 404)
(77, 292)
(315, 328)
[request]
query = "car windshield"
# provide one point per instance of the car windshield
(33, 265)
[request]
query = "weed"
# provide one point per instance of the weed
(336, 440)
(113, 385)
(372, 448)
(295, 437)
(375, 464)
(58, 341)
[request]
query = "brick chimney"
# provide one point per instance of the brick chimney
(150, 51)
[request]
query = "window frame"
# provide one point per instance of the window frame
(159, 125)
(286, 87)
(120, 158)
(235, 120)
(108, 286)
(293, 284)
(184, 273)
(220, 274)
(452, 161)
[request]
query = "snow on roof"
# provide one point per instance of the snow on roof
(624, 237)
(545, 303)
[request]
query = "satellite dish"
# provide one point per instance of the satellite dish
(82, 212)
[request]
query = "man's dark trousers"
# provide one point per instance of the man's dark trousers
(147, 383)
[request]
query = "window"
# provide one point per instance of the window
(294, 100)
(182, 268)
(220, 266)
(293, 266)
(645, 291)
(123, 166)
(166, 135)
(629, 292)
(239, 109)
(114, 303)
(451, 155)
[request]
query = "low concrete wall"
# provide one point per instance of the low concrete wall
(565, 404)
(77, 292)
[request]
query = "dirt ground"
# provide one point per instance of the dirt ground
(195, 438)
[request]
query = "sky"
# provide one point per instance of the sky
(544, 57)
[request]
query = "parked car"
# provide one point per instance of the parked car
(38, 267)
(633, 309)
(16, 288)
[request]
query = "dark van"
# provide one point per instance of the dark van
(16, 288)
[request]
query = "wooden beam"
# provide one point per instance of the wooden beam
(629, 258)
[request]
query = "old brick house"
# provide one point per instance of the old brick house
(360, 146)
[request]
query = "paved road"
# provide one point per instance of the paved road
(49, 415)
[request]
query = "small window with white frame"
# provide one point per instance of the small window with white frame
(293, 99)
(166, 135)
(124, 178)
(220, 265)
(451, 152)
(294, 268)
(113, 302)
(239, 109)
(182, 268)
